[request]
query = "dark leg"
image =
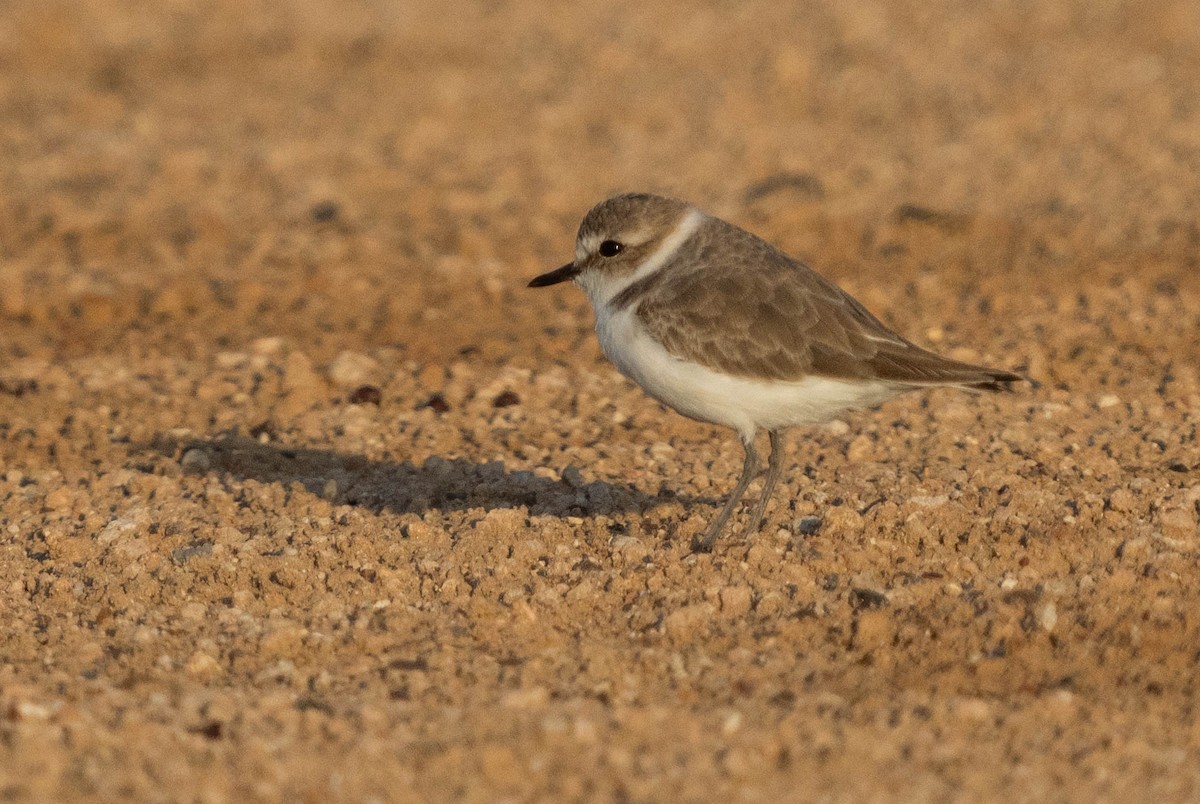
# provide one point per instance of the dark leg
(703, 543)
(774, 469)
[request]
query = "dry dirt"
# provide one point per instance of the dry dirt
(305, 497)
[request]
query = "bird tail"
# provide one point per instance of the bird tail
(995, 381)
(971, 378)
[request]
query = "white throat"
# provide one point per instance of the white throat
(602, 289)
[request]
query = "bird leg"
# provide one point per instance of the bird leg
(774, 469)
(703, 543)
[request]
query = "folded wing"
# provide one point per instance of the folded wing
(769, 316)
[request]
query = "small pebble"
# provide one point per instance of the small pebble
(436, 402)
(366, 395)
(506, 399)
(572, 477)
(1048, 616)
(195, 461)
(324, 211)
(808, 525)
(353, 369)
(866, 599)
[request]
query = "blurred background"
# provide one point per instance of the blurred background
(192, 173)
(305, 496)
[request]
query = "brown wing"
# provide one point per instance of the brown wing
(762, 314)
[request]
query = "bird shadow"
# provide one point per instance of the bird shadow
(402, 487)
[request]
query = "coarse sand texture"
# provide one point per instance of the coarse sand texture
(305, 497)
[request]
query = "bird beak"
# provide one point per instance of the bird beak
(568, 271)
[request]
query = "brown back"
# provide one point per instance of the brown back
(787, 322)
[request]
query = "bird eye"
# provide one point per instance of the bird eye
(610, 248)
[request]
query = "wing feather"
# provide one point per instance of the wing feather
(736, 304)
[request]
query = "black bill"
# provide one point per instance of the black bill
(568, 271)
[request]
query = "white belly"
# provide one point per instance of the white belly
(744, 404)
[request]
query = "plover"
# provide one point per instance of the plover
(725, 328)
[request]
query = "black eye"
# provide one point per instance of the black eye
(610, 248)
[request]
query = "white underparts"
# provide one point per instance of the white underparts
(743, 403)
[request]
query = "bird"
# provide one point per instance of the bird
(723, 327)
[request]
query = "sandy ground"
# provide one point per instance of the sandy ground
(305, 497)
